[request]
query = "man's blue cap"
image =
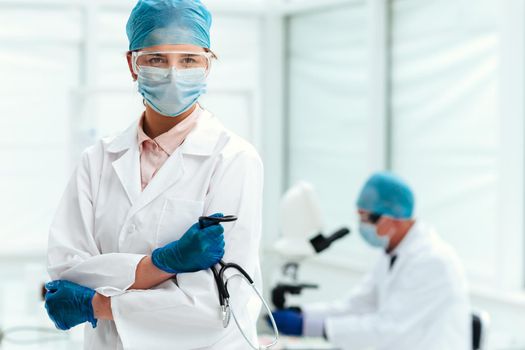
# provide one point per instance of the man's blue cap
(387, 194)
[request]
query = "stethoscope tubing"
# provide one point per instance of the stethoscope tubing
(222, 283)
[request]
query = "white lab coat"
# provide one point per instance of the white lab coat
(421, 303)
(105, 225)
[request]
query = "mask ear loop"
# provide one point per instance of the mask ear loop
(210, 61)
(136, 71)
(134, 55)
(134, 67)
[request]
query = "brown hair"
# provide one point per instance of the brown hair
(214, 56)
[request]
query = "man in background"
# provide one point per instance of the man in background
(414, 298)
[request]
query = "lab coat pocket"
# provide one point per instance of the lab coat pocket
(178, 215)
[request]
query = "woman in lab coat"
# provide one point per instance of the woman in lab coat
(145, 188)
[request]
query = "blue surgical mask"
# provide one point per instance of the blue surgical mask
(369, 233)
(171, 92)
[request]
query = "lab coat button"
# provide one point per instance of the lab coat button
(132, 229)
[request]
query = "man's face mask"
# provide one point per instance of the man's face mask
(369, 233)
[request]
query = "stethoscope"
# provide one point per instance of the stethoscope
(222, 286)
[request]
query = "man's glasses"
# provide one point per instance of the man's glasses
(374, 218)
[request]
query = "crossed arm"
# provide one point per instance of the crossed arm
(147, 276)
(69, 304)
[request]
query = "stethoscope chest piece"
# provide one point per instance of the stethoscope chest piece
(226, 314)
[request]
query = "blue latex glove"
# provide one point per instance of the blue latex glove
(289, 322)
(69, 304)
(199, 249)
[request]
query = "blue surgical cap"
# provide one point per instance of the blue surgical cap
(163, 22)
(387, 194)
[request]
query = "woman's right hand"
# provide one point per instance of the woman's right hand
(198, 249)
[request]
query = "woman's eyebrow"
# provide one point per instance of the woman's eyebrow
(155, 54)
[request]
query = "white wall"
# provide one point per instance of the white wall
(455, 86)
(448, 111)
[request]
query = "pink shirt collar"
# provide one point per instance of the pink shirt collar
(173, 138)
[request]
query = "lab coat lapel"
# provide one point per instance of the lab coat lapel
(405, 248)
(127, 166)
(167, 176)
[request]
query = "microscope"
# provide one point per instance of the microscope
(301, 238)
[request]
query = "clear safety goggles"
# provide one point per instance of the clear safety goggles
(156, 65)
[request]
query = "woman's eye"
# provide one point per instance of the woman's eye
(188, 60)
(156, 60)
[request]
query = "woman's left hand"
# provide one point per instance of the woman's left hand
(69, 304)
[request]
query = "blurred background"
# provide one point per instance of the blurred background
(327, 90)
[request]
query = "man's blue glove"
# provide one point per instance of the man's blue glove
(199, 249)
(288, 322)
(69, 304)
